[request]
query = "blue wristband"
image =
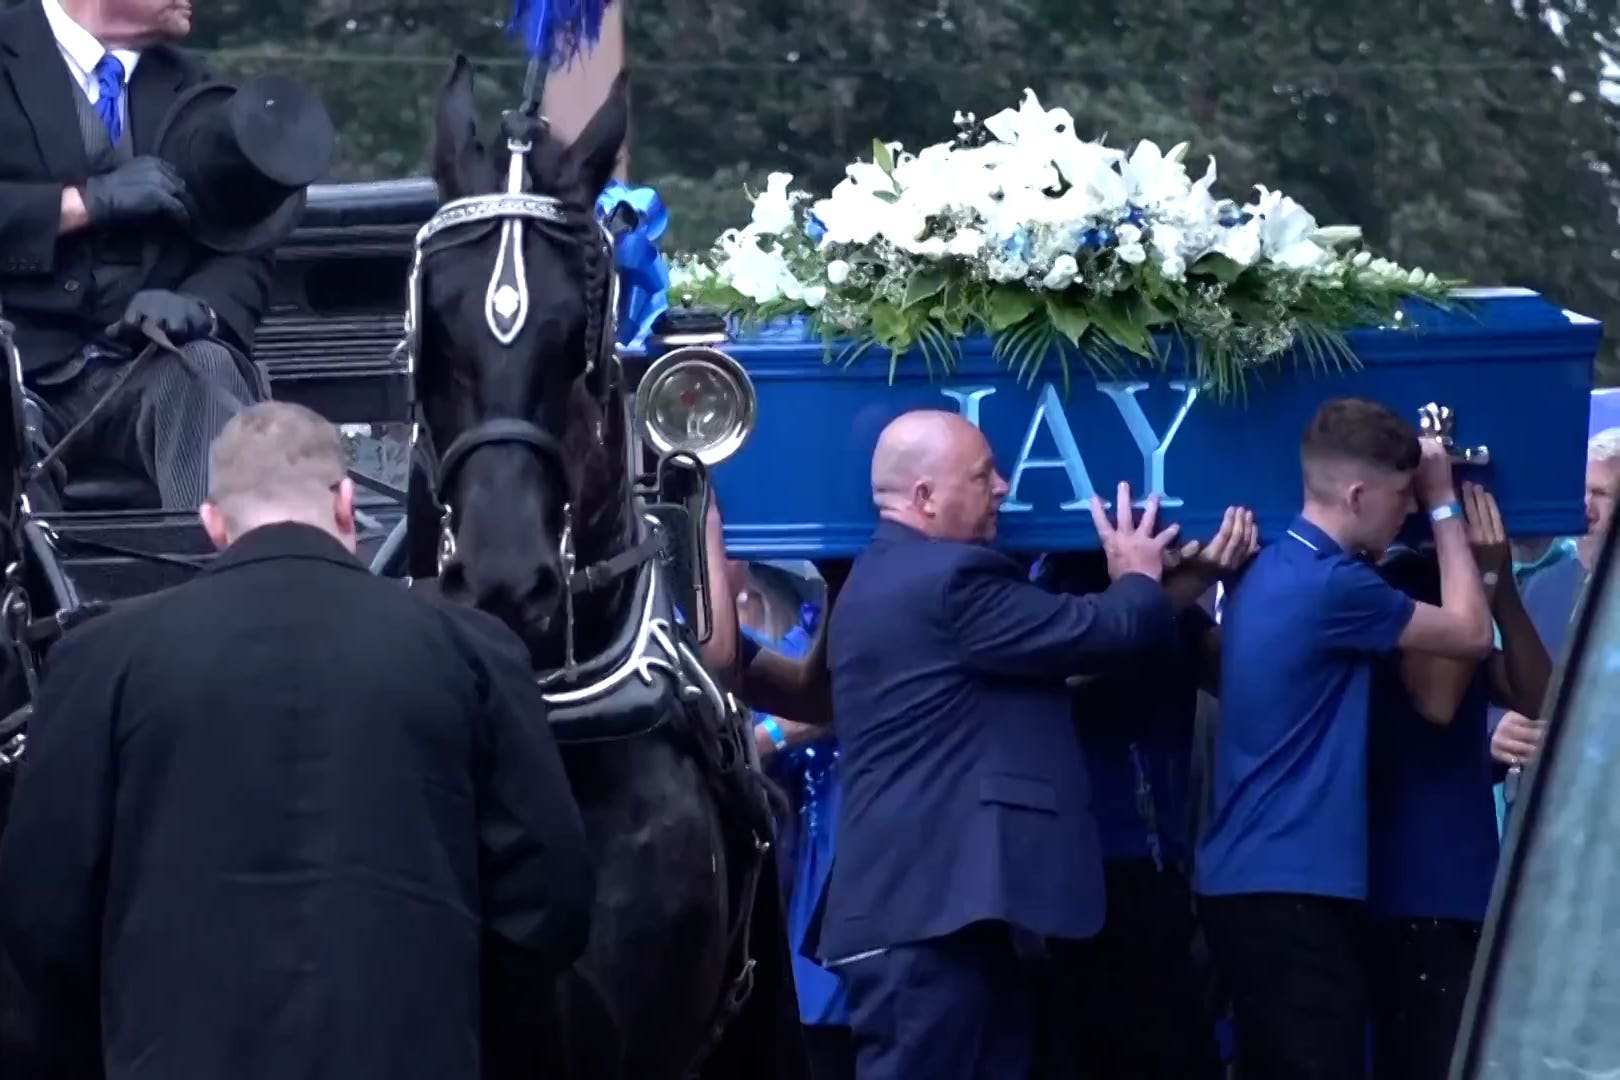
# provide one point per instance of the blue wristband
(1444, 511)
(774, 730)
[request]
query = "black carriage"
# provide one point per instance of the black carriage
(332, 342)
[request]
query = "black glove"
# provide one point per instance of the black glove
(183, 318)
(137, 191)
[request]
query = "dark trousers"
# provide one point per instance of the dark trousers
(950, 1008)
(1294, 967)
(1131, 1003)
(1417, 980)
(161, 421)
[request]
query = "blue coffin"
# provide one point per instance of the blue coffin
(1515, 369)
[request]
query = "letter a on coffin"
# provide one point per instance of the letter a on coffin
(1153, 448)
(1049, 415)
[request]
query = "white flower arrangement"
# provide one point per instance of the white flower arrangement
(1022, 229)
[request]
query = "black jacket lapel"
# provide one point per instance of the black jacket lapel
(157, 81)
(44, 87)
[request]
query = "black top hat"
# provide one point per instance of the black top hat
(247, 154)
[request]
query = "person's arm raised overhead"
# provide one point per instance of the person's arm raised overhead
(1461, 626)
(1008, 626)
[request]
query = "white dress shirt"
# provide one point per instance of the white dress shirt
(82, 52)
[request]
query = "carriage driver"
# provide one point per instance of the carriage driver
(135, 190)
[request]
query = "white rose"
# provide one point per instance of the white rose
(837, 272)
(814, 295)
(1174, 268)
(1415, 277)
(1361, 260)
(1062, 275)
(1129, 234)
(1134, 254)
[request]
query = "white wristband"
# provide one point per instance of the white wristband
(1444, 511)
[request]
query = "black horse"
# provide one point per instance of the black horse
(533, 515)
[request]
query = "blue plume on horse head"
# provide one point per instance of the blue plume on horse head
(556, 31)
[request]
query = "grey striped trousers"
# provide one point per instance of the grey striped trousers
(161, 422)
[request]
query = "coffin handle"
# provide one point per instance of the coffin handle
(1438, 421)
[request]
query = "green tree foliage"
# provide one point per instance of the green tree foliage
(1472, 137)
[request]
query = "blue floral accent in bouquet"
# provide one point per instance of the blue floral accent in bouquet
(636, 217)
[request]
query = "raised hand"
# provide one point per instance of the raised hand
(1132, 548)
(1485, 532)
(1227, 552)
(1433, 484)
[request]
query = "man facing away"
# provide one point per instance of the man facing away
(965, 835)
(91, 237)
(272, 817)
(1282, 869)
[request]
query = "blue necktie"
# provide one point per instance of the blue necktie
(109, 75)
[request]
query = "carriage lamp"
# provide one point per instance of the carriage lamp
(698, 400)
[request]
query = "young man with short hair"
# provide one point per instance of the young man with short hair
(1282, 869)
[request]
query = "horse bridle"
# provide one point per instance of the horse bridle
(506, 309)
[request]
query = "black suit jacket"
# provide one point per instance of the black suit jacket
(271, 817)
(45, 278)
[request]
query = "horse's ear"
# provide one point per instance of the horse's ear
(593, 155)
(461, 164)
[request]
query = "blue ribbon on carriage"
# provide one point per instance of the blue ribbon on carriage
(643, 273)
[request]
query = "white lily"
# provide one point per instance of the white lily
(773, 208)
(1030, 123)
(966, 244)
(1154, 177)
(1285, 231)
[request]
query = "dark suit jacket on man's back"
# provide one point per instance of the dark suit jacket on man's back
(46, 287)
(269, 816)
(965, 794)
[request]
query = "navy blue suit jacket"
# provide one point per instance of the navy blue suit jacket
(965, 793)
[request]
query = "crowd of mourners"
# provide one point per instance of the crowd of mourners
(1154, 813)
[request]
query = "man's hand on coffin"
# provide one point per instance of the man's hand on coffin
(137, 191)
(1132, 548)
(1486, 535)
(1224, 554)
(1432, 483)
(183, 318)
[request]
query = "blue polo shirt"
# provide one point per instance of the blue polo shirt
(1431, 811)
(1299, 634)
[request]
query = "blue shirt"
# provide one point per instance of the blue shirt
(1299, 633)
(1431, 815)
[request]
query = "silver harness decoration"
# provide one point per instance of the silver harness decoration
(655, 648)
